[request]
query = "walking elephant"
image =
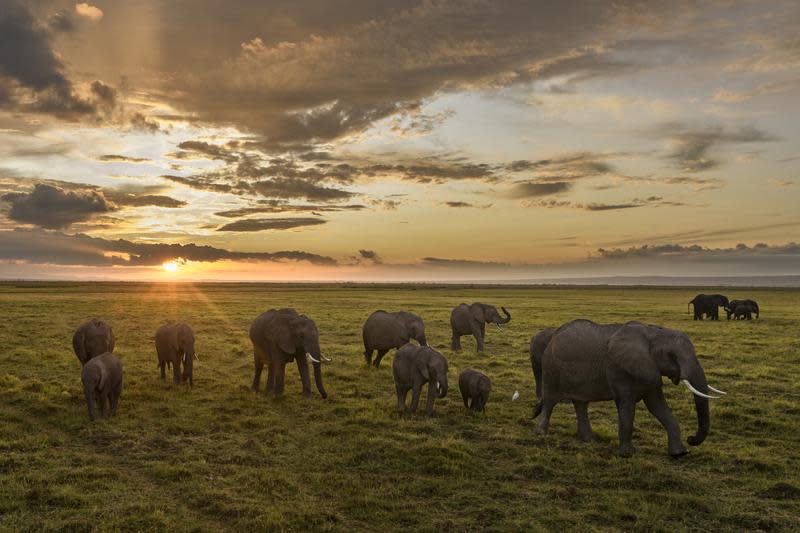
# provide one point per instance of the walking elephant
(744, 311)
(707, 304)
(175, 346)
(538, 344)
(102, 383)
(412, 367)
(280, 336)
(475, 388)
(587, 362)
(751, 304)
(383, 331)
(91, 339)
(472, 319)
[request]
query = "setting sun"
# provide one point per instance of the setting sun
(170, 266)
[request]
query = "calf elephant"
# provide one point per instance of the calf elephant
(91, 339)
(472, 319)
(731, 307)
(383, 331)
(744, 310)
(280, 336)
(707, 304)
(102, 383)
(587, 362)
(412, 367)
(475, 388)
(175, 346)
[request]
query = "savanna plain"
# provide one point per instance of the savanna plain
(217, 456)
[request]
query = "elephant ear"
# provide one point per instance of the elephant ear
(629, 350)
(477, 312)
(79, 345)
(422, 362)
(284, 336)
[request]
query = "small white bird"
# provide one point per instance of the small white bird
(515, 397)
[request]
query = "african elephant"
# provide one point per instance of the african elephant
(744, 310)
(102, 382)
(91, 339)
(279, 336)
(475, 388)
(587, 362)
(731, 307)
(707, 304)
(472, 319)
(175, 345)
(538, 344)
(383, 331)
(413, 366)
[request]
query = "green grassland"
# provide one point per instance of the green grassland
(217, 456)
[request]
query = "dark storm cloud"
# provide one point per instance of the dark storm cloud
(262, 224)
(53, 207)
(115, 158)
(692, 147)
(51, 247)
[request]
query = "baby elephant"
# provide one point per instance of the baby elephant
(475, 387)
(102, 381)
(413, 366)
(175, 345)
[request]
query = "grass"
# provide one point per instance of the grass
(218, 457)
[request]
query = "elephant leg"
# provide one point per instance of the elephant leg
(259, 367)
(270, 379)
(544, 421)
(455, 343)
(402, 392)
(415, 392)
(584, 427)
(368, 355)
(476, 332)
(381, 353)
(658, 407)
(626, 409)
(302, 367)
(101, 403)
(280, 377)
(163, 365)
(115, 394)
(431, 397)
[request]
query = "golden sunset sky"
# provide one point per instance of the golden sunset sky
(398, 140)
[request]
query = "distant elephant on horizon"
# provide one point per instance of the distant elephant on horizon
(707, 304)
(383, 331)
(472, 319)
(92, 338)
(280, 336)
(175, 346)
(588, 362)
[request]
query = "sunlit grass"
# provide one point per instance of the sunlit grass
(218, 457)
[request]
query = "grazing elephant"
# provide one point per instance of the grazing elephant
(707, 304)
(279, 336)
(383, 331)
(102, 382)
(731, 307)
(91, 339)
(475, 388)
(538, 344)
(472, 319)
(175, 345)
(587, 362)
(413, 366)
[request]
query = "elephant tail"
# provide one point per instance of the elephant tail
(537, 409)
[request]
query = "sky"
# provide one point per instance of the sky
(398, 140)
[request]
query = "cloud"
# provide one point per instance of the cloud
(262, 224)
(651, 201)
(204, 150)
(200, 183)
(51, 247)
(141, 200)
(115, 158)
(773, 87)
(691, 147)
(52, 207)
(531, 189)
(89, 11)
(459, 204)
(672, 250)
(278, 206)
(370, 255)
(298, 188)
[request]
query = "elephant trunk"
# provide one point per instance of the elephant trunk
(697, 378)
(507, 319)
(422, 340)
(318, 379)
(188, 367)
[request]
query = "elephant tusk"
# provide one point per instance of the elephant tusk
(326, 359)
(712, 389)
(695, 391)
(438, 387)
(311, 358)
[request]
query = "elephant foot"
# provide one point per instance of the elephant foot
(587, 437)
(626, 450)
(540, 430)
(679, 452)
(306, 394)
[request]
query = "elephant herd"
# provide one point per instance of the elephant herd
(708, 305)
(578, 362)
